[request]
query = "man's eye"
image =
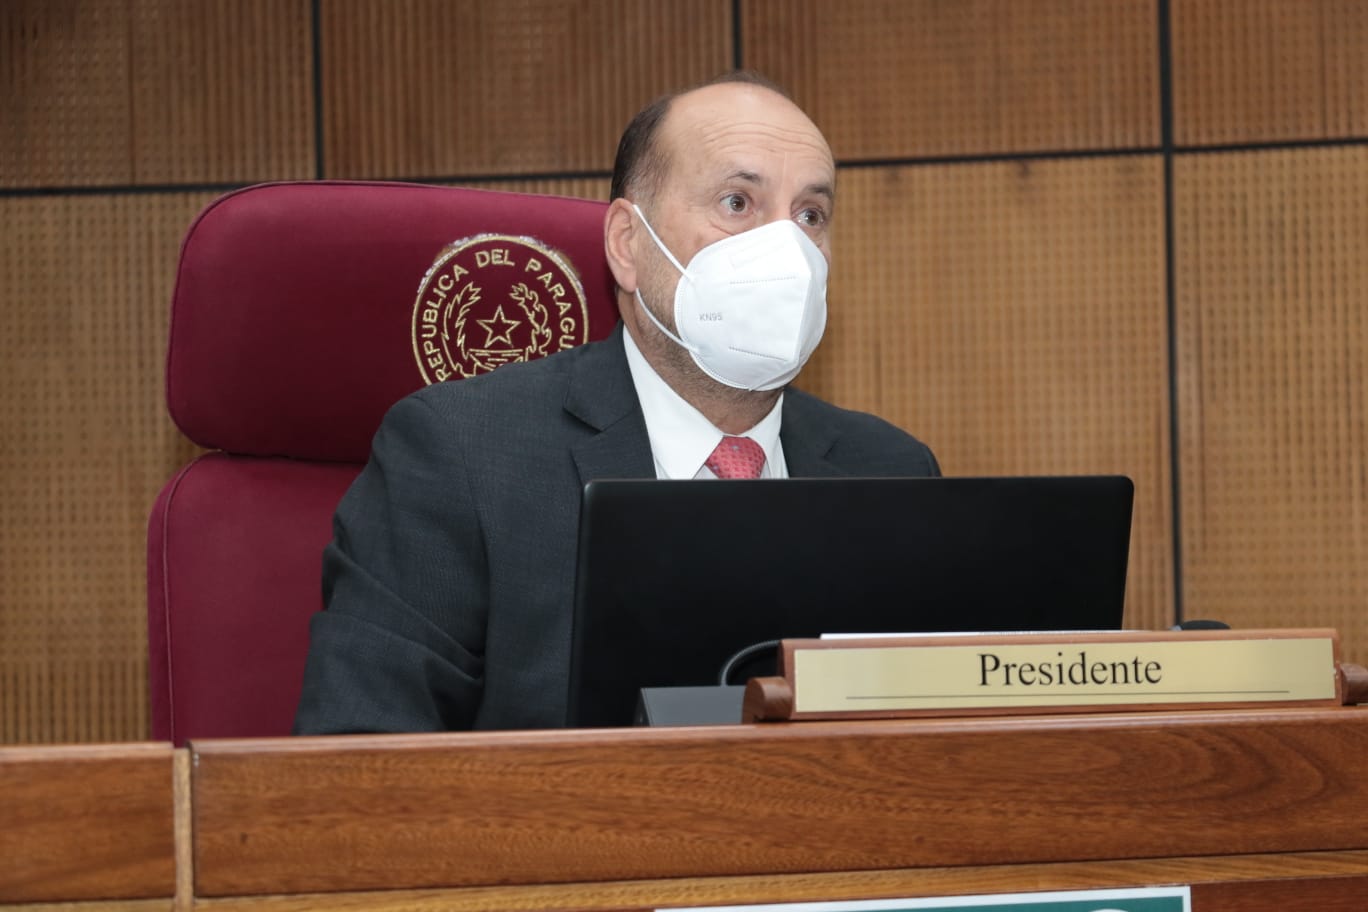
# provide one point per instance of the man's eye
(811, 218)
(735, 202)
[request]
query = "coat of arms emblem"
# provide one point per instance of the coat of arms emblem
(491, 299)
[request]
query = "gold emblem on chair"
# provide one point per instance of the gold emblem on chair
(491, 299)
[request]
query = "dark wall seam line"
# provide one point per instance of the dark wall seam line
(909, 161)
(1272, 145)
(1171, 304)
(738, 53)
(139, 189)
(124, 189)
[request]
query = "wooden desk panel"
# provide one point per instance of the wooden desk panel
(86, 823)
(523, 808)
(1308, 882)
(1289, 894)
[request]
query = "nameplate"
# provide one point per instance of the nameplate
(1075, 672)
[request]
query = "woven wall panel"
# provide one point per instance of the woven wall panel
(85, 444)
(1013, 317)
(425, 88)
(222, 91)
(594, 188)
(1259, 70)
(1273, 377)
(65, 109)
(898, 78)
(154, 91)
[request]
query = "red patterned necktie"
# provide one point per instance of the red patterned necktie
(736, 457)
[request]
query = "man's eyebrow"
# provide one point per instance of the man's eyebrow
(825, 190)
(749, 177)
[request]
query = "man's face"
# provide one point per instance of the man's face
(736, 157)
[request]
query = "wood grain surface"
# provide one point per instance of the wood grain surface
(86, 823)
(1289, 894)
(1316, 882)
(407, 812)
(101, 905)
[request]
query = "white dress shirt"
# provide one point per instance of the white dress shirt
(681, 438)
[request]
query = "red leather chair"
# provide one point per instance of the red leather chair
(301, 312)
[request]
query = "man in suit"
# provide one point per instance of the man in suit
(450, 578)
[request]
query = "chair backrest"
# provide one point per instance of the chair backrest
(301, 312)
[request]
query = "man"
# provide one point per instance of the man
(450, 578)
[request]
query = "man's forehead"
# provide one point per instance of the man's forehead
(738, 130)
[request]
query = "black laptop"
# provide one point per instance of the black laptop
(677, 577)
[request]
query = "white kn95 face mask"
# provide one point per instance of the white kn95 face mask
(750, 308)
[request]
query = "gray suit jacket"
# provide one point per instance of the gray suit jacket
(450, 577)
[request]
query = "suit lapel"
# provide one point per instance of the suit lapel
(602, 396)
(807, 439)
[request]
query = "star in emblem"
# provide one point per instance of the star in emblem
(499, 328)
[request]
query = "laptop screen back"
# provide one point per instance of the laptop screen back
(675, 577)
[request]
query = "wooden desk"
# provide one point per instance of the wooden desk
(88, 822)
(1259, 809)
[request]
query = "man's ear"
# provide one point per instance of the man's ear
(619, 230)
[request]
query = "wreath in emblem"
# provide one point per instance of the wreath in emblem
(530, 302)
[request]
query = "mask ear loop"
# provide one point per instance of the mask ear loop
(656, 238)
(692, 349)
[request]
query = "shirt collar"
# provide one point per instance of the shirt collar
(681, 438)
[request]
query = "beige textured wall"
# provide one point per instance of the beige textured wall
(1052, 257)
